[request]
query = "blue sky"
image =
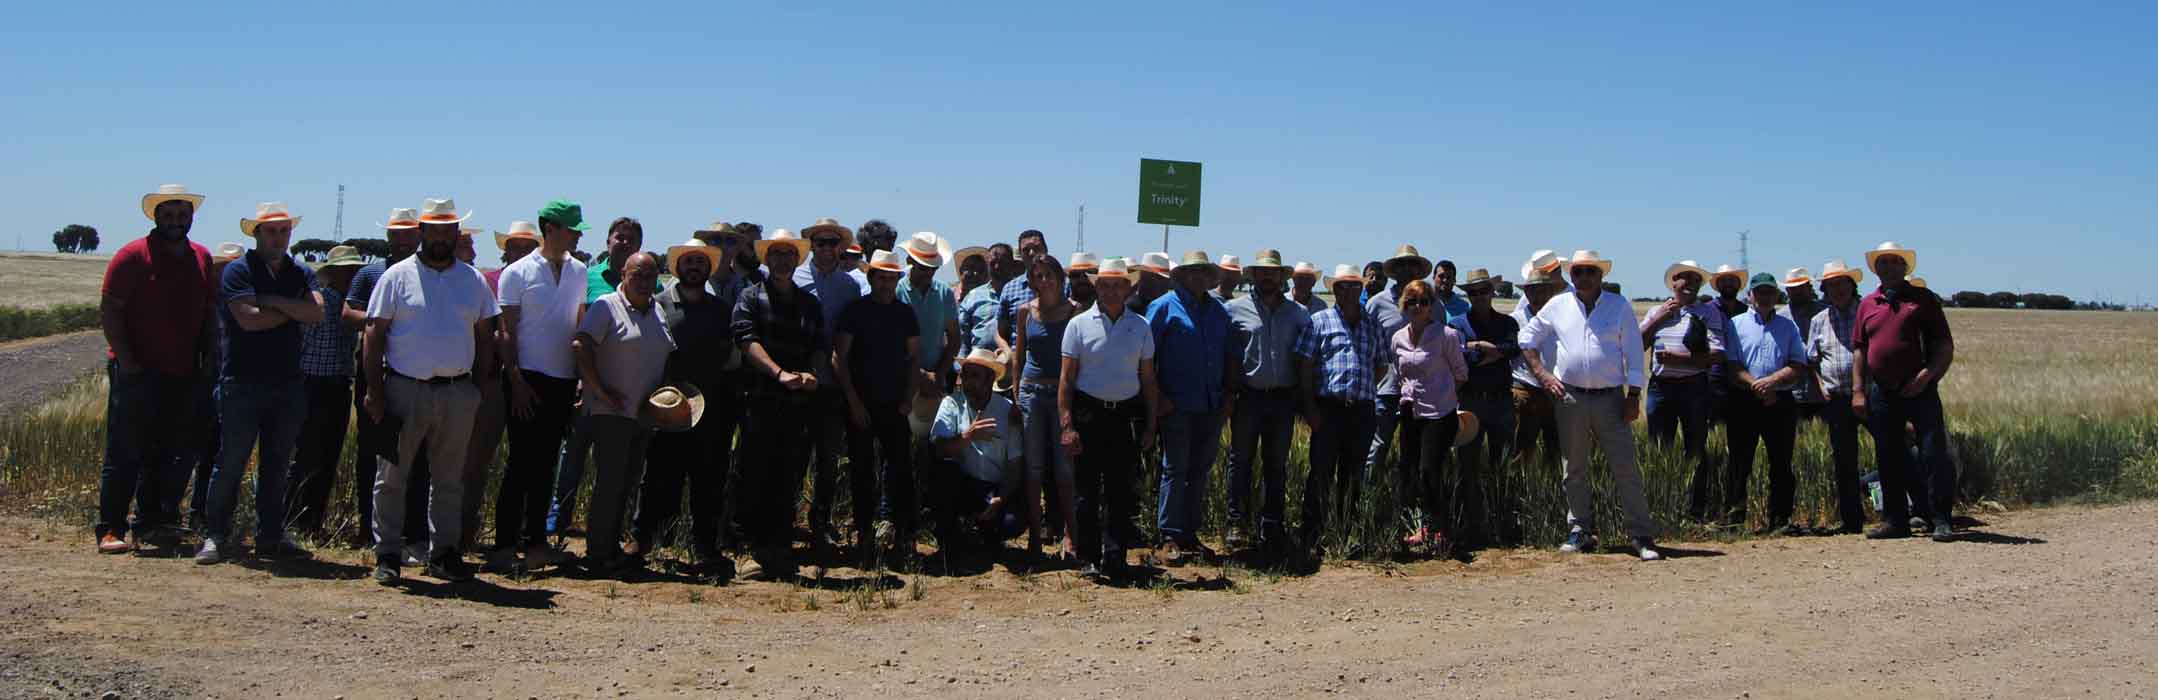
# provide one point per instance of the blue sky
(2011, 143)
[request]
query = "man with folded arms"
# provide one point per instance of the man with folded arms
(1768, 360)
(1263, 328)
(541, 296)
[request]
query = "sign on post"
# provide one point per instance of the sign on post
(1168, 192)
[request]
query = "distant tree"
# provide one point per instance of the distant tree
(86, 240)
(63, 242)
(370, 248)
(1971, 300)
(312, 249)
(2039, 300)
(2003, 300)
(75, 238)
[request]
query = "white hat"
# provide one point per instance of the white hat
(928, 249)
(1083, 261)
(1230, 263)
(1910, 257)
(1304, 269)
(987, 359)
(1155, 262)
(1797, 276)
(693, 246)
(524, 230)
(1590, 258)
(1114, 269)
(1836, 268)
(1532, 275)
(780, 236)
(401, 218)
(169, 193)
(267, 212)
(1727, 269)
(228, 252)
(1685, 266)
(884, 261)
(1345, 273)
(441, 211)
(1542, 260)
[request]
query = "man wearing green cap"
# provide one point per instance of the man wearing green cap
(541, 296)
(1767, 359)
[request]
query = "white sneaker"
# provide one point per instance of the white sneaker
(1647, 549)
(1576, 542)
(415, 555)
(208, 554)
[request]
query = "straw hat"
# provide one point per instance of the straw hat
(518, 229)
(1305, 269)
(227, 252)
(1230, 264)
(717, 226)
(1469, 427)
(1836, 268)
(169, 193)
(1407, 254)
(1797, 277)
(1543, 260)
(1156, 263)
(1267, 258)
(1114, 269)
(1910, 257)
(960, 257)
(342, 256)
(1685, 266)
(1588, 258)
(1083, 261)
(1726, 270)
(267, 212)
(693, 246)
(780, 236)
(884, 261)
(987, 359)
(928, 249)
(470, 231)
(441, 211)
(1532, 275)
(832, 226)
(1195, 258)
(1345, 273)
(401, 218)
(1480, 276)
(674, 407)
(1919, 282)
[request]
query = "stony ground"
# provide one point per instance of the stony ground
(32, 370)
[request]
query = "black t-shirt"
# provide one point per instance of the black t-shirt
(877, 359)
(1501, 330)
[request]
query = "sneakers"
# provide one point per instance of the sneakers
(450, 567)
(1646, 548)
(109, 543)
(283, 548)
(385, 570)
(1943, 532)
(209, 553)
(415, 555)
(1577, 542)
(1888, 532)
(1169, 554)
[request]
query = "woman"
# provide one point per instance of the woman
(1040, 341)
(1427, 354)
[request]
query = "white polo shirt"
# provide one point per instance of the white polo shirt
(547, 311)
(431, 314)
(1108, 354)
(1594, 349)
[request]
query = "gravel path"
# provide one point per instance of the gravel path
(38, 367)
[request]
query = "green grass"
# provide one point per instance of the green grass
(17, 323)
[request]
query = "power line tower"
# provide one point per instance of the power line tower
(1082, 226)
(1743, 262)
(337, 232)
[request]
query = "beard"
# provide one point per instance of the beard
(438, 253)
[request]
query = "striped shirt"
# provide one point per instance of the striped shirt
(1349, 358)
(1828, 346)
(1803, 392)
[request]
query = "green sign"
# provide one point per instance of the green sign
(1168, 192)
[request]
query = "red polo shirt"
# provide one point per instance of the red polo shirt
(167, 297)
(1898, 337)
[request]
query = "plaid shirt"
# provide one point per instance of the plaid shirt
(1348, 358)
(1016, 294)
(326, 348)
(1828, 345)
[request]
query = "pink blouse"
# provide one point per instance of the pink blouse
(1431, 370)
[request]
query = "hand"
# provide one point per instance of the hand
(980, 429)
(614, 398)
(1918, 383)
(1071, 441)
(857, 414)
(1633, 408)
(1167, 407)
(1858, 404)
(1762, 388)
(373, 404)
(523, 403)
(1485, 346)
(1146, 439)
(1552, 385)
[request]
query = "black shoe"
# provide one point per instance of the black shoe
(1092, 572)
(385, 571)
(1943, 532)
(1920, 524)
(1888, 532)
(450, 567)
(1851, 530)
(282, 550)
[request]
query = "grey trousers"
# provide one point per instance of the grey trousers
(618, 446)
(1601, 414)
(438, 416)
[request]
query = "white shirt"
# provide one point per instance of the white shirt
(1108, 354)
(431, 314)
(985, 457)
(1598, 349)
(547, 311)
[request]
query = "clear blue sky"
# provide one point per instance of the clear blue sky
(2012, 143)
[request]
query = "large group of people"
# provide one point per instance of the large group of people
(1028, 402)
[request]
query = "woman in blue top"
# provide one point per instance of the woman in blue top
(1039, 355)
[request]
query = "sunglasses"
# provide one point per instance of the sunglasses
(825, 242)
(1415, 303)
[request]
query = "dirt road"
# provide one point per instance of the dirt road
(2051, 603)
(37, 367)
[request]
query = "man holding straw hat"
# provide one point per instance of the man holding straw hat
(705, 357)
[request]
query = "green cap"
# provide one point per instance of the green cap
(564, 213)
(1763, 279)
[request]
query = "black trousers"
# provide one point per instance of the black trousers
(1343, 437)
(1105, 477)
(527, 487)
(776, 432)
(1450, 491)
(887, 442)
(1751, 423)
(701, 456)
(321, 444)
(957, 499)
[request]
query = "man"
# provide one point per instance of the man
(1900, 349)
(1803, 306)
(1597, 356)
(835, 287)
(851, 258)
(1489, 391)
(1536, 428)
(937, 312)
(1004, 266)
(699, 313)
(488, 424)
(625, 237)
(266, 296)
(977, 306)
(1828, 349)
(1768, 359)
(876, 358)
(521, 240)
(1686, 338)
(875, 235)
(1232, 276)
(1304, 278)
(978, 472)
(1730, 284)
(155, 309)
(1339, 356)
(373, 440)
(1374, 280)
(1443, 280)
(1016, 293)
(780, 330)
(542, 297)
(621, 351)
(1108, 370)
(429, 331)
(1153, 281)
(1263, 385)
(1191, 352)
(326, 349)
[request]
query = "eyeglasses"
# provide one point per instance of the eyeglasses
(1415, 303)
(825, 242)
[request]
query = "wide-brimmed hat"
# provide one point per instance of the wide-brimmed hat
(1910, 257)
(1919, 282)
(1534, 274)
(673, 407)
(1724, 271)
(1469, 427)
(227, 252)
(1230, 264)
(1345, 273)
(169, 193)
(780, 236)
(1544, 260)
(693, 246)
(854, 249)
(1836, 268)
(564, 213)
(1266, 258)
(470, 231)
(960, 256)
(1195, 258)
(1083, 261)
(1305, 269)
(1114, 269)
(829, 225)
(342, 256)
(1480, 276)
(518, 229)
(885, 261)
(1590, 258)
(267, 212)
(441, 211)
(401, 218)
(1407, 254)
(1155, 263)
(987, 359)
(928, 249)
(1796, 277)
(1685, 266)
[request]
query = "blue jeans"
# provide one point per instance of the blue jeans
(1048, 463)
(1190, 440)
(1385, 415)
(146, 446)
(268, 413)
(569, 475)
(1268, 416)
(1674, 405)
(1929, 481)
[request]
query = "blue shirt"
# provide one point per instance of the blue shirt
(1265, 341)
(1766, 346)
(1348, 358)
(1016, 294)
(273, 353)
(978, 320)
(833, 290)
(931, 312)
(1191, 347)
